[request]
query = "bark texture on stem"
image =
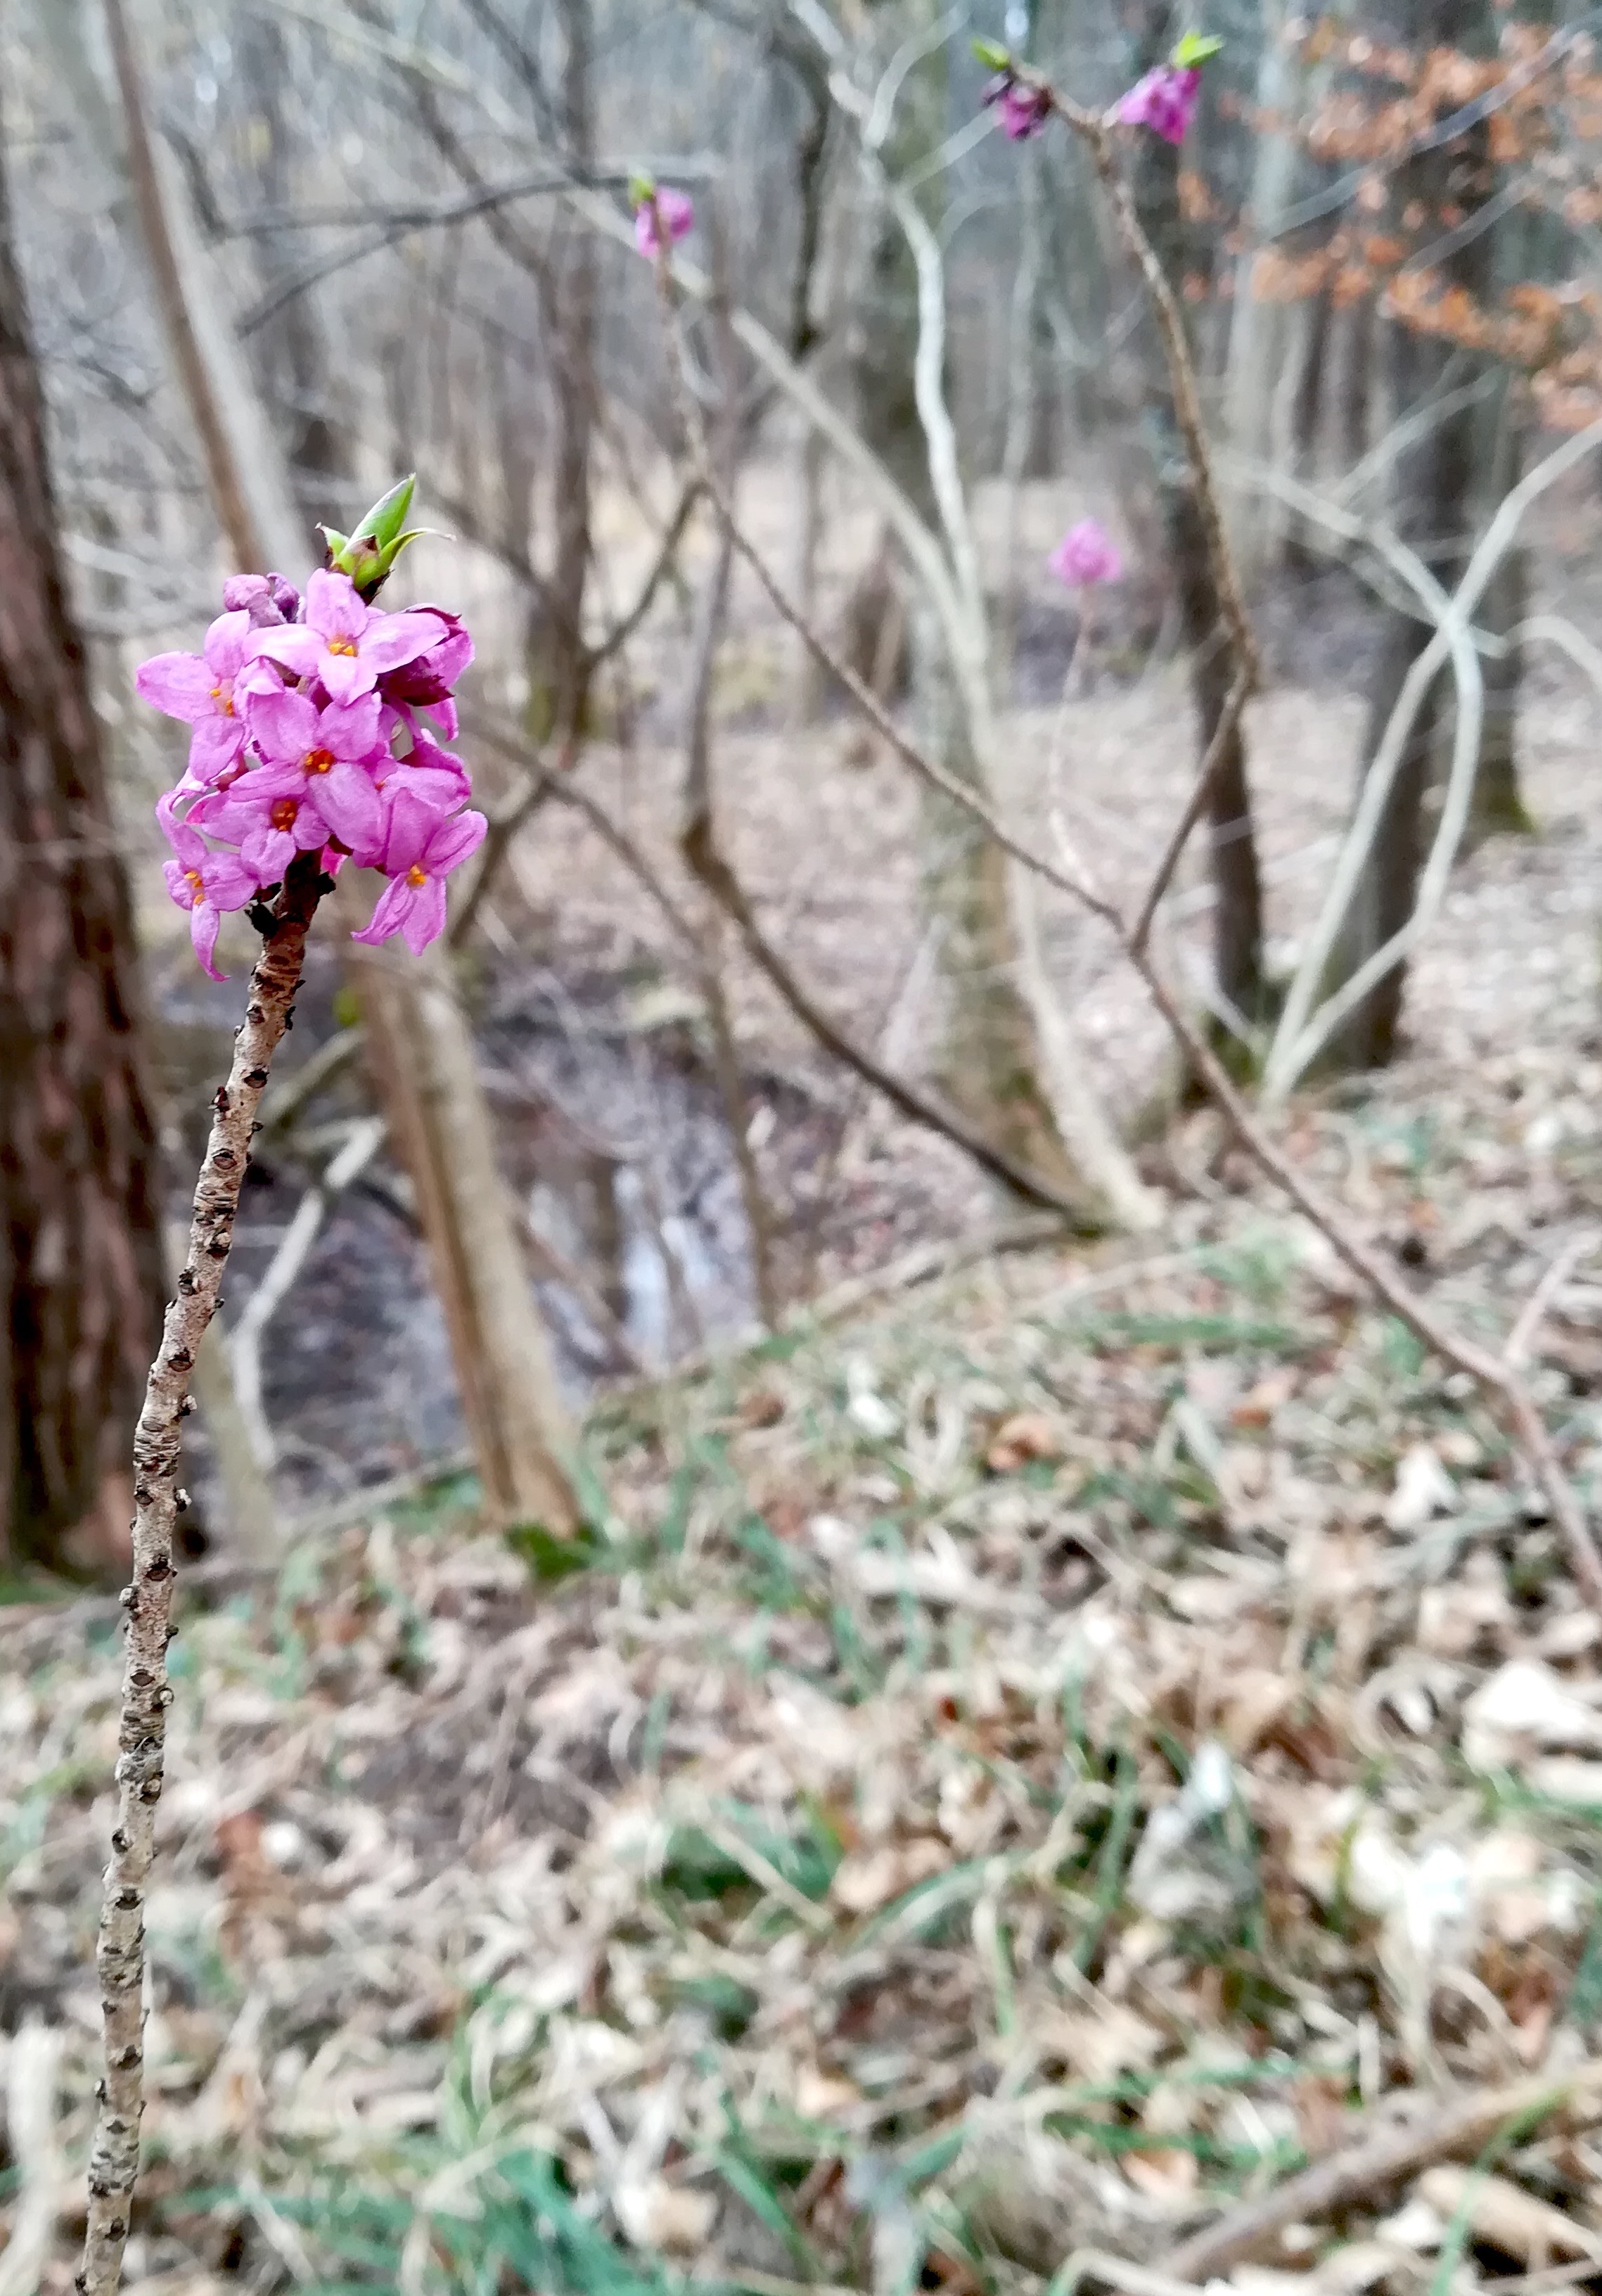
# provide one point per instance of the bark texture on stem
(119, 1953)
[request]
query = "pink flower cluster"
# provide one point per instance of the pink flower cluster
(1165, 101)
(312, 733)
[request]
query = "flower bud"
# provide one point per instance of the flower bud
(368, 554)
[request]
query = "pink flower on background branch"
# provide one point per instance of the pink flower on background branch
(1165, 101)
(1086, 555)
(662, 216)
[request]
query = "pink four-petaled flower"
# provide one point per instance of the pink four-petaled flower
(421, 846)
(203, 883)
(345, 643)
(199, 689)
(1165, 101)
(322, 758)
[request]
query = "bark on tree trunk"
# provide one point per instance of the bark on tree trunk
(1433, 483)
(81, 1242)
(993, 1062)
(1498, 805)
(1237, 912)
(422, 1053)
(558, 666)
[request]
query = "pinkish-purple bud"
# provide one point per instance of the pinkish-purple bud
(1165, 101)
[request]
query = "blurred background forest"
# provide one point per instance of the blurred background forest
(767, 1450)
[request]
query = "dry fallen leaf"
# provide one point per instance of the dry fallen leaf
(1422, 1488)
(872, 1878)
(1504, 2214)
(1026, 1435)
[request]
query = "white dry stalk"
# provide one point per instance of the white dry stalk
(1302, 1032)
(120, 1952)
(31, 2082)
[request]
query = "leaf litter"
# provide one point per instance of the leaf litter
(1020, 1778)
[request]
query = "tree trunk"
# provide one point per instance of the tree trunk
(558, 667)
(80, 1240)
(1237, 911)
(1498, 805)
(1031, 1098)
(422, 1053)
(1432, 481)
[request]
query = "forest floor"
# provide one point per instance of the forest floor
(1019, 1771)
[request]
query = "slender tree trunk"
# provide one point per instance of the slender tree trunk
(1237, 912)
(80, 1240)
(994, 1061)
(422, 1053)
(558, 666)
(1433, 483)
(1498, 805)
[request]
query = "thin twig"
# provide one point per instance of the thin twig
(1379, 2159)
(119, 1954)
(1522, 1337)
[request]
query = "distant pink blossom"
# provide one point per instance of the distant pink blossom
(203, 883)
(1165, 101)
(664, 212)
(199, 688)
(420, 848)
(1021, 109)
(343, 643)
(1086, 555)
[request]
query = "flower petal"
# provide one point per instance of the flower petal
(299, 650)
(225, 643)
(282, 724)
(350, 804)
(332, 607)
(452, 840)
(203, 923)
(179, 683)
(229, 883)
(408, 825)
(424, 919)
(390, 912)
(346, 676)
(350, 729)
(391, 639)
(215, 744)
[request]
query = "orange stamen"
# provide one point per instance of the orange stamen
(417, 875)
(282, 816)
(222, 701)
(194, 878)
(318, 761)
(341, 645)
